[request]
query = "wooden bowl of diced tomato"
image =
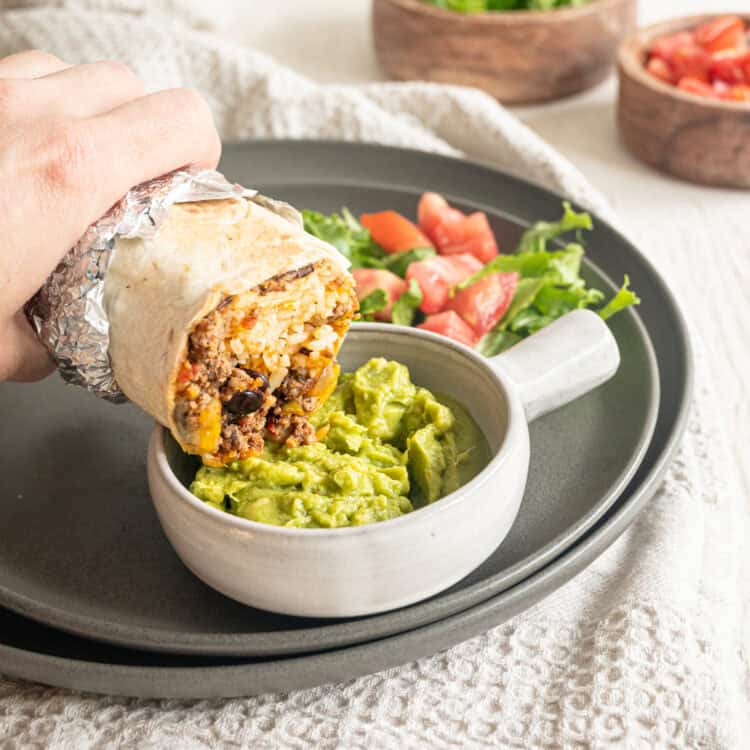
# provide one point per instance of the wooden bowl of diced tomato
(516, 55)
(684, 101)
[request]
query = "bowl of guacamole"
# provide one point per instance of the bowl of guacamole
(385, 447)
(414, 474)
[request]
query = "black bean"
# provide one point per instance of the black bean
(244, 402)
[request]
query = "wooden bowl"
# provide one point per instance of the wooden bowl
(697, 139)
(517, 56)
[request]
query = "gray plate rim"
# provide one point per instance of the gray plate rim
(341, 634)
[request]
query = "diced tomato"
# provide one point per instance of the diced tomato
(482, 304)
(393, 232)
(737, 94)
(710, 61)
(731, 67)
(370, 279)
(665, 46)
(661, 69)
(449, 324)
(694, 86)
(720, 87)
(472, 235)
(727, 32)
(691, 61)
(432, 210)
(436, 277)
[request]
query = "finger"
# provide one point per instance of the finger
(163, 131)
(22, 356)
(151, 136)
(80, 168)
(30, 64)
(85, 90)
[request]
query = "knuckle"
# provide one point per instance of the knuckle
(120, 72)
(201, 122)
(41, 58)
(69, 156)
(191, 101)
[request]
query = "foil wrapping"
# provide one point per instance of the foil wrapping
(68, 313)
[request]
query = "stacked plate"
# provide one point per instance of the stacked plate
(94, 597)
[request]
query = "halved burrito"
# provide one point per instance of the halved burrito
(225, 325)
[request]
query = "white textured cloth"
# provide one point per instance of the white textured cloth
(647, 648)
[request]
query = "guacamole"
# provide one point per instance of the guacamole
(385, 447)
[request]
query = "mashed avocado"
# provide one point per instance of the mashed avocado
(385, 448)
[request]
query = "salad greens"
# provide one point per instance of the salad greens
(480, 6)
(372, 303)
(399, 262)
(405, 307)
(354, 242)
(347, 235)
(550, 282)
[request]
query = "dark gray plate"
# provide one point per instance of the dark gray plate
(81, 548)
(35, 652)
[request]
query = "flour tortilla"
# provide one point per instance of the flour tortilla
(157, 289)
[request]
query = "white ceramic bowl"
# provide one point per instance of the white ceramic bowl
(362, 570)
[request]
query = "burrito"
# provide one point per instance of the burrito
(224, 325)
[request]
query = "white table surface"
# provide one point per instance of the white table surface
(670, 220)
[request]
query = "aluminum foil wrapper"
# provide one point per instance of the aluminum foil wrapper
(68, 313)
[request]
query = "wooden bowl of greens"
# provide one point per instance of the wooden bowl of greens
(519, 51)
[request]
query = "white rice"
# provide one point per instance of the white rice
(283, 324)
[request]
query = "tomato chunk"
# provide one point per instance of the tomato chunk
(484, 303)
(450, 324)
(711, 61)
(691, 61)
(694, 86)
(433, 210)
(727, 32)
(471, 235)
(370, 279)
(665, 46)
(393, 232)
(660, 68)
(731, 67)
(436, 276)
(720, 87)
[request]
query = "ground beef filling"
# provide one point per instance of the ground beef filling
(250, 410)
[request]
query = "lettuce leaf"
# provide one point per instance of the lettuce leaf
(523, 298)
(535, 238)
(347, 235)
(624, 298)
(496, 342)
(550, 284)
(399, 262)
(532, 257)
(375, 301)
(406, 305)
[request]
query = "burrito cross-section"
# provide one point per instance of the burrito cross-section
(225, 326)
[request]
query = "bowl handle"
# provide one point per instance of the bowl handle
(561, 362)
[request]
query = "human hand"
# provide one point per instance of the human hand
(73, 141)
